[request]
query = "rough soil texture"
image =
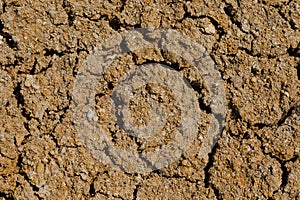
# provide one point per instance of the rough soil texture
(256, 48)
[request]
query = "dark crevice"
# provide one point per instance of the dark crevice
(294, 159)
(284, 176)
(251, 53)
(285, 171)
(8, 38)
(54, 139)
(75, 69)
(79, 50)
(272, 56)
(135, 192)
(19, 96)
(6, 196)
(255, 71)
(194, 84)
(52, 52)
(203, 106)
(33, 69)
(259, 125)
(110, 85)
(26, 139)
(246, 136)
(46, 68)
(221, 31)
(27, 127)
(92, 190)
(280, 122)
(189, 15)
(231, 12)
(51, 134)
(298, 71)
(25, 176)
(136, 26)
(34, 187)
(123, 5)
(209, 165)
(286, 115)
(65, 109)
(99, 95)
(68, 8)
(26, 114)
(4, 7)
(115, 23)
(19, 161)
(291, 23)
(294, 51)
(235, 113)
(135, 139)
(177, 176)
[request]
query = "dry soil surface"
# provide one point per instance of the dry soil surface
(255, 46)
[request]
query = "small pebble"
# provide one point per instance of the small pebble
(1, 38)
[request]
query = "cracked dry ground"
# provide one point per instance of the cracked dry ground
(255, 45)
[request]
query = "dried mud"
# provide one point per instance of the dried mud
(256, 48)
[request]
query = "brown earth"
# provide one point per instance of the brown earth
(256, 48)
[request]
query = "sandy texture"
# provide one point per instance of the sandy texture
(256, 48)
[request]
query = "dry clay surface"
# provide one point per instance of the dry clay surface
(255, 46)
